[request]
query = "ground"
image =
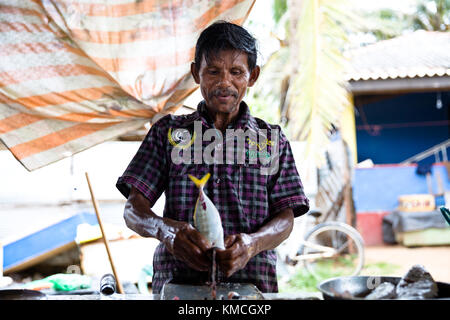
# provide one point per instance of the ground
(435, 259)
(387, 260)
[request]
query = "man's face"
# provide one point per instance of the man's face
(224, 80)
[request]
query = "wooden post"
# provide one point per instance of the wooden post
(105, 241)
(348, 193)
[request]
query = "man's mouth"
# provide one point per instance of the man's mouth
(224, 98)
(224, 95)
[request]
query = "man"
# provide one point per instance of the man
(256, 208)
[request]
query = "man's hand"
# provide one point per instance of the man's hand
(188, 245)
(239, 249)
(180, 238)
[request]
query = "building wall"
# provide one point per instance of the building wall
(376, 191)
(405, 126)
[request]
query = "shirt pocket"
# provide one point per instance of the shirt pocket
(253, 194)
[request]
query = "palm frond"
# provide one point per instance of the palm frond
(317, 94)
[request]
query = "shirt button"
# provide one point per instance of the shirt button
(217, 180)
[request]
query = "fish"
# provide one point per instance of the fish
(206, 216)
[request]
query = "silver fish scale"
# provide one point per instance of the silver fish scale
(201, 221)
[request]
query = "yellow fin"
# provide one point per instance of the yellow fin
(195, 211)
(200, 183)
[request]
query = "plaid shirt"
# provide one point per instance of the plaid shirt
(244, 197)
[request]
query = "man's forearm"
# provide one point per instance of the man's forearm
(141, 219)
(179, 237)
(273, 233)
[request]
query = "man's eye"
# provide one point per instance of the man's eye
(212, 71)
(236, 72)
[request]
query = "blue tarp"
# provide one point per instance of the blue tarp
(43, 241)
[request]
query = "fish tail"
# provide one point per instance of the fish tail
(200, 182)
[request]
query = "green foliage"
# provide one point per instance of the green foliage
(431, 15)
(317, 95)
(262, 109)
(379, 269)
(302, 280)
(386, 23)
(306, 92)
(265, 96)
(279, 9)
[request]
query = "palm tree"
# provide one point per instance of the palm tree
(432, 15)
(306, 76)
(317, 96)
(309, 71)
(429, 15)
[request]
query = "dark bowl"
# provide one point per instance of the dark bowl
(358, 287)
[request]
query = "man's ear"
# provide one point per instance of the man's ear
(254, 75)
(194, 73)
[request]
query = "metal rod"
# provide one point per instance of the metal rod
(317, 246)
(444, 154)
(105, 241)
(427, 152)
(310, 256)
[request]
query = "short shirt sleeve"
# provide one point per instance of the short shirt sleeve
(147, 170)
(285, 186)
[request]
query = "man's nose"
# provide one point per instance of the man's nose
(224, 79)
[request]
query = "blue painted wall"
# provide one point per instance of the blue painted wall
(377, 189)
(396, 140)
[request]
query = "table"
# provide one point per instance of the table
(127, 296)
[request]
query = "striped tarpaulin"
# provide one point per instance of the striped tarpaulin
(75, 73)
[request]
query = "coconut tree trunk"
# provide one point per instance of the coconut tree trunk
(294, 8)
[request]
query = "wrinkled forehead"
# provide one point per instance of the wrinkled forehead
(220, 57)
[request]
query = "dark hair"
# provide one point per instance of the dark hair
(222, 35)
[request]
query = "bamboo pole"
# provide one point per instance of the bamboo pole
(348, 195)
(105, 240)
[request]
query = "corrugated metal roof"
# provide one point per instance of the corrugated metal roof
(418, 54)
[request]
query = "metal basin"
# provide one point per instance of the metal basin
(185, 291)
(358, 287)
